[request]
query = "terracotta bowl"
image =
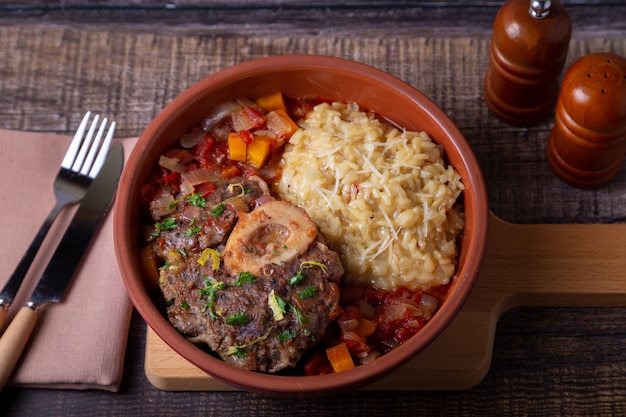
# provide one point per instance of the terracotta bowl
(302, 75)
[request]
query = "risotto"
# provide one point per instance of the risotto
(384, 198)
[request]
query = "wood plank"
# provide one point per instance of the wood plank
(255, 18)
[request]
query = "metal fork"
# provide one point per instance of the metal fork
(82, 162)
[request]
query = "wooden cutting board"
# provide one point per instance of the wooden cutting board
(547, 265)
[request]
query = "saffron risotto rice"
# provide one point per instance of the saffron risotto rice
(384, 198)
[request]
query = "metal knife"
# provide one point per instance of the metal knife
(65, 261)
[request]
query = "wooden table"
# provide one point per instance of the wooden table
(128, 59)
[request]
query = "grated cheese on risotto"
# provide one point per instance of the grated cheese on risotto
(383, 198)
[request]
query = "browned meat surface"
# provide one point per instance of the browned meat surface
(253, 281)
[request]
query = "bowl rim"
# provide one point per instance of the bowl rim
(280, 384)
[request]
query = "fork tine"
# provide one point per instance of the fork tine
(104, 150)
(70, 155)
(80, 158)
(95, 147)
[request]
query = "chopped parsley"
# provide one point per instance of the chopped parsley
(192, 231)
(209, 294)
(296, 279)
(184, 305)
(218, 210)
(287, 335)
(166, 266)
(243, 278)
(167, 224)
(308, 292)
(238, 352)
(301, 318)
(173, 204)
(238, 319)
(197, 200)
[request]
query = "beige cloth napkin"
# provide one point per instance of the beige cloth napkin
(79, 343)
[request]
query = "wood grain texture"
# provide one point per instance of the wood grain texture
(137, 74)
(60, 59)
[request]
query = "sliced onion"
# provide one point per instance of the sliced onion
(429, 304)
(348, 325)
(221, 132)
(265, 132)
(173, 164)
(218, 113)
(162, 206)
(394, 311)
(246, 102)
(189, 140)
(415, 310)
(200, 176)
(186, 188)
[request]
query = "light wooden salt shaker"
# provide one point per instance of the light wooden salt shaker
(528, 50)
(588, 141)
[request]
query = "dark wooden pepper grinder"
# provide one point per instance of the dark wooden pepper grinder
(588, 141)
(528, 50)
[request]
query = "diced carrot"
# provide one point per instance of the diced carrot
(281, 124)
(258, 150)
(272, 101)
(236, 147)
(339, 358)
(149, 265)
(365, 328)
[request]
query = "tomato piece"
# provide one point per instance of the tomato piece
(205, 189)
(317, 364)
(170, 178)
(246, 137)
(408, 328)
(203, 151)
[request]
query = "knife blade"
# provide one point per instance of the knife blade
(65, 261)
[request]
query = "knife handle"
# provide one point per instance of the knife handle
(14, 340)
(3, 316)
